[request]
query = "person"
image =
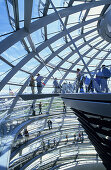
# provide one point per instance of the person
(70, 87)
(105, 75)
(64, 107)
(67, 137)
(74, 137)
(39, 133)
(32, 83)
(49, 124)
(98, 77)
(39, 83)
(26, 133)
(79, 80)
(54, 141)
(64, 87)
(82, 137)
(91, 86)
(20, 136)
(32, 106)
(33, 113)
(40, 108)
(87, 82)
(43, 145)
(48, 143)
(79, 137)
(56, 85)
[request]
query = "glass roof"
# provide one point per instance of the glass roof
(44, 33)
(53, 38)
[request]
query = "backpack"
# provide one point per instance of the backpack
(106, 73)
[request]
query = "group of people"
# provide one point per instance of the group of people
(101, 78)
(67, 88)
(77, 138)
(39, 83)
(49, 144)
(57, 87)
(25, 134)
(32, 109)
(99, 83)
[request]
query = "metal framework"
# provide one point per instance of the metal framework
(37, 44)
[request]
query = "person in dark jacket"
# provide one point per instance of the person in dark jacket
(40, 108)
(105, 75)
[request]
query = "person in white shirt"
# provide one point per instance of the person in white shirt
(70, 88)
(64, 87)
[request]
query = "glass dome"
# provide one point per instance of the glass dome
(52, 38)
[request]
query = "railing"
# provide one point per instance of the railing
(35, 132)
(59, 152)
(101, 82)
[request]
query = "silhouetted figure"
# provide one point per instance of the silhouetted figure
(49, 124)
(20, 136)
(48, 143)
(64, 107)
(54, 141)
(26, 134)
(33, 113)
(79, 136)
(40, 108)
(39, 133)
(43, 145)
(32, 106)
(82, 137)
(66, 137)
(79, 81)
(105, 75)
(74, 137)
